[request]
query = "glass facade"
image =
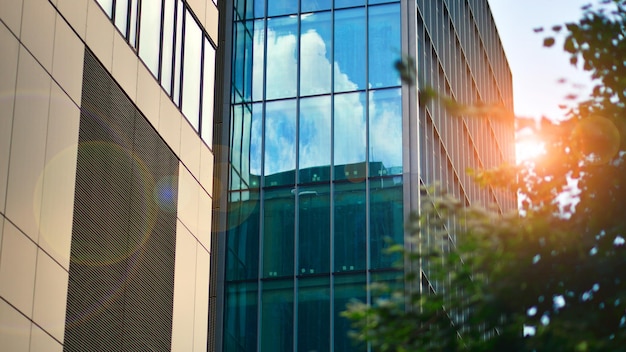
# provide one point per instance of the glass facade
(176, 50)
(327, 149)
(315, 189)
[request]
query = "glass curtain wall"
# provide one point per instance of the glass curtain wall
(315, 188)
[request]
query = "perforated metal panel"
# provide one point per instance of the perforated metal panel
(124, 229)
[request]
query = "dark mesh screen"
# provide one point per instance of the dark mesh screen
(124, 228)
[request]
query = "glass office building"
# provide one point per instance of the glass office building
(324, 150)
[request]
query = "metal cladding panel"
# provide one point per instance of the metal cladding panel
(121, 284)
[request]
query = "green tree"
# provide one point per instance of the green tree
(552, 279)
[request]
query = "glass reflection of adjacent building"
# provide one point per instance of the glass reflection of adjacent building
(318, 177)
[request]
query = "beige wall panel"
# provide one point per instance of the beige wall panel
(169, 123)
(28, 145)
(17, 269)
(148, 95)
(9, 48)
(206, 169)
(42, 342)
(14, 329)
(57, 203)
(38, 22)
(204, 219)
(125, 66)
(50, 295)
(190, 148)
(100, 34)
(75, 13)
(188, 199)
(184, 290)
(11, 14)
(211, 20)
(199, 9)
(67, 63)
(201, 309)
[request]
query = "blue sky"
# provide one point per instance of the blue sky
(536, 69)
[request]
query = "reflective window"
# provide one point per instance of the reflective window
(150, 35)
(168, 45)
(276, 316)
(256, 135)
(239, 41)
(282, 54)
(178, 52)
(315, 53)
(346, 289)
(107, 6)
(121, 15)
(349, 130)
(313, 230)
(314, 142)
(191, 71)
(349, 226)
(242, 258)
(313, 314)
(241, 317)
(386, 220)
(281, 7)
(132, 36)
(258, 56)
(384, 45)
(350, 54)
(236, 129)
(278, 233)
(385, 113)
(208, 81)
(314, 5)
(280, 142)
(348, 3)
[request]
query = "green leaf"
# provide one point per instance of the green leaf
(548, 42)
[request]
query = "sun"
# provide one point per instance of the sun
(528, 147)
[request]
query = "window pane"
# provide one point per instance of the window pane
(280, 143)
(150, 34)
(277, 316)
(281, 7)
(349, 66)
(107, 6)
(278, 233)
(314, 141)
(348, 3)
(242, 258)
(132, 36)
(208, 81)
(347, 288)
(314, 230)
(241, 317)
(282, 51)
(258, 55)
(309, 5)
(316, 48)
(191, 67)
(313, 314)
(256, 151)
(384, 45)
(385, 112)
(121, 15)
(178, 52)
(386, 220)
(168, 46)
(349, 226)
(349, 132)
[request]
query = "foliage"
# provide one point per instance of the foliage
(557, 271)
